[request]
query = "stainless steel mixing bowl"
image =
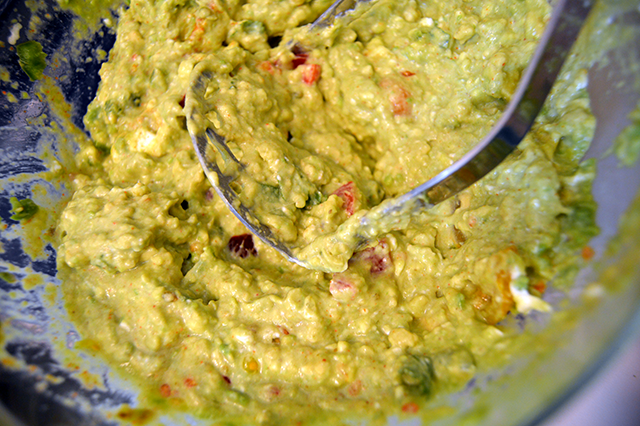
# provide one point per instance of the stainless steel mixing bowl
(41, 383)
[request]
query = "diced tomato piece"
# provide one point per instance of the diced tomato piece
(540, 287)
(399, 104)
(198, 29)
(267, 66)
(189, 382)
(378, 263)
(274, 391)
(355, 388)
(242, 246)
(398, 97)
(311, 73)
(588, 253)
(410, 408)
(165, 390)
(347, 193)
(406, 73)
(378, 257)
(342, 288)
(300, 58)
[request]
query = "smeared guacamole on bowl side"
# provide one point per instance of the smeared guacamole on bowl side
(165, 282)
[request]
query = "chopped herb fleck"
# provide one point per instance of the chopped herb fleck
(22, 209)
(32, 59)
(418, 375)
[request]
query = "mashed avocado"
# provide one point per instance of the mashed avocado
(331, 121)
(166, 282)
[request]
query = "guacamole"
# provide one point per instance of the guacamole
(167, 284)
(333, 120)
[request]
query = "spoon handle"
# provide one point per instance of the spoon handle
(329, 15)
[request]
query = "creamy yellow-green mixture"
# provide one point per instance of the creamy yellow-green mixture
(334, 120)
(163, 280)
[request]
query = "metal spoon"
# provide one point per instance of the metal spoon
(562, 30)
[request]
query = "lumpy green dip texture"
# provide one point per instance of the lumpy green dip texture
(165, 282)
(334, 120)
